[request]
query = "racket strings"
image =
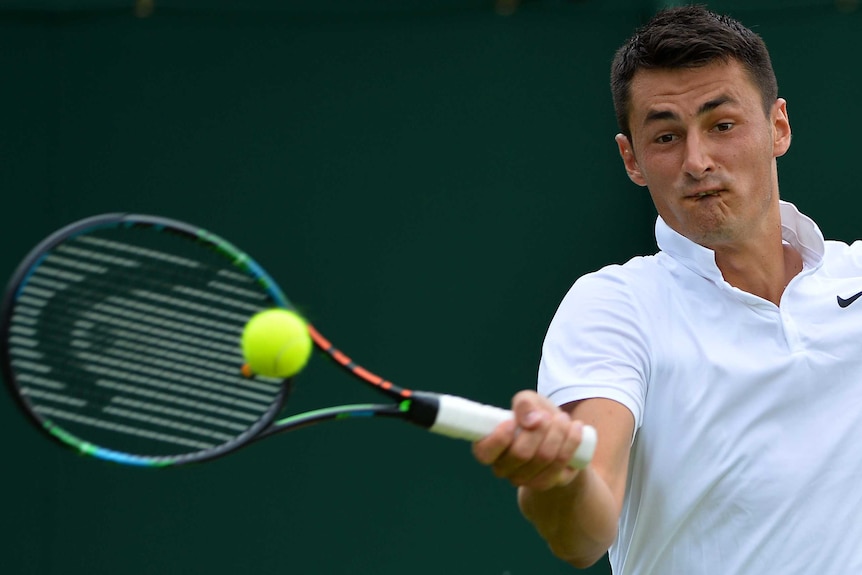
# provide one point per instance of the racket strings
(131, 340)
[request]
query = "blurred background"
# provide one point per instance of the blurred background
(426, 178)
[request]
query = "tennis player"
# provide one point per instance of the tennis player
(724, 373)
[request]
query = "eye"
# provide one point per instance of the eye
(665, 138)
(723, 126)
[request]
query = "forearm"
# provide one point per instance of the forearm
(578, 521)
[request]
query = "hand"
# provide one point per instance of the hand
(534, 449)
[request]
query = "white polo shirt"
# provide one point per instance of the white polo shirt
(747, 456)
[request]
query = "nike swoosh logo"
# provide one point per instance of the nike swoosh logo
(845, 302)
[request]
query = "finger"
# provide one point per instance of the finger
(495, 449)
(532, 409)
(489, 449)
(535, 449)
(561, 473)
(548, 456)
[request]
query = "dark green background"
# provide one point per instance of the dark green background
(425, 178)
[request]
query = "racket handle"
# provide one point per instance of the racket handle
(464, 419)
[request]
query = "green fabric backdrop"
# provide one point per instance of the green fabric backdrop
(425, 178)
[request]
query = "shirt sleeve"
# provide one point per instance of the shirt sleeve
(597, 344)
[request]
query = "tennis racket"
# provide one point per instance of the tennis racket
(120, 339)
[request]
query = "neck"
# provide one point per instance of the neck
(763, 271)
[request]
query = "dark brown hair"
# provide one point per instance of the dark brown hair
(689, 37)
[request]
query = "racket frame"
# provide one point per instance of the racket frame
(57, 433)
(443, 414)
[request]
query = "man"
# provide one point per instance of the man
(723, 375)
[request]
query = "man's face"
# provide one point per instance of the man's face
(703, 145)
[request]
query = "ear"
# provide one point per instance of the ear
(781, 133)
(627, 153)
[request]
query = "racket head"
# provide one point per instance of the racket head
(119, 338)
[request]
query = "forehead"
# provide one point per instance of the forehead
(685, 90)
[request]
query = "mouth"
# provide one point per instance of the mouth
(703, 194)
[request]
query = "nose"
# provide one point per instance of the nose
(697, 162)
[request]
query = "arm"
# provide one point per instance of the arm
(576, 512)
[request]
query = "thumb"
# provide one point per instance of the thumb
(530, 412)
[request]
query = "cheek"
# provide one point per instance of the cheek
(659, 171)
(754, 161)
(754, 147)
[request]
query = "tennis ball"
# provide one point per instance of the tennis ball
(276, 343)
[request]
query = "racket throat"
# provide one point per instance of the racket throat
(422, 408)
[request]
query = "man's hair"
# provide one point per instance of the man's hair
(689, 37)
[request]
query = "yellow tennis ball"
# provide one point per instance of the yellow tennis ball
(276, 343)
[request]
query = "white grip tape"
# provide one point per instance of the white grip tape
(464, 419)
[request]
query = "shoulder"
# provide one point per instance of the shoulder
(615, 301)
(638, 281)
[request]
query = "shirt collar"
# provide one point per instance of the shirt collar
(797, 229)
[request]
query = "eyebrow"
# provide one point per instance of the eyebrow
(656, 115)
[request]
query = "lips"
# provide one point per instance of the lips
(703, 193)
